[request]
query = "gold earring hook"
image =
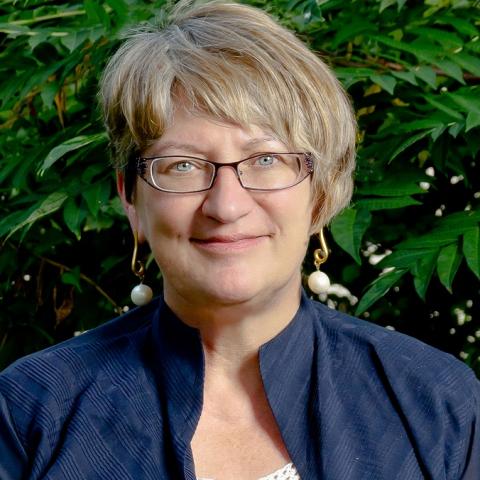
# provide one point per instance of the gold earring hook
(320, 255)
(138, 268)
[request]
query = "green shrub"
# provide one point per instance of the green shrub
(409, 246)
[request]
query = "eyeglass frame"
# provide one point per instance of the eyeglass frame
(140, 168)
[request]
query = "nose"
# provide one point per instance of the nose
(227, 201)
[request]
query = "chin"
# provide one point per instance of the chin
(229, 294)
(227, 290)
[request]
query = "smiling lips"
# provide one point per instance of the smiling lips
(225, 243)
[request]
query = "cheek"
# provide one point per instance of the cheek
(165, 216)
(291, 214)
(294, 207)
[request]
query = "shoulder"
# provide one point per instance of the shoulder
(91, 351)
(38, 392)
(398, 354)
(434, 396)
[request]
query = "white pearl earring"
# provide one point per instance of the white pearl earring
(141, 294)
(318, 281)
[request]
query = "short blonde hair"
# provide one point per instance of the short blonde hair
(236, 63)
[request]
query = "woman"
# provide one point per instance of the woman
(233, 145)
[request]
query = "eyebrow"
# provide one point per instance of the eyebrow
(197, 149)
(257, 141)
(186, 147)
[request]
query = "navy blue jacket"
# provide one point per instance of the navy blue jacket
(352, 400)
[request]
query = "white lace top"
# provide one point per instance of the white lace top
(288, 472)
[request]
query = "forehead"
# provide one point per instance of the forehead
(195, 132)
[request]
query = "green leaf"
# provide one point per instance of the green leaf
(427, 74)
(387, 82)
(423, 271)
(10, 221)
(404, 258)
(73, 277)
(386, 203)
(350, 76)
(75, 38)
(96, 196)
(436, 238)
(462, 26)
(473, 120)
(92, 171)
(446, 39)
(35, 40)
(471, 249)
(351, 30)
(407, 76)
(467, 99)
(96, 12)
(455, 129)
(378, 288)
(395, 185)
(385, 4)
(460, 221)
(73, 217)
(425, 123)
(451, 69)
(48, 93)
(437, 132)
(448, 262)
(423, 52)
(426, 50)
(467, 62)
(98, 223)
(11, 165)
(449, 228)
(408, 143)
(15, 29)
(435, 102)
(348, 229)
(360, 72)
(120, 8)
(22, 83)
(46, 207)
(69, 145)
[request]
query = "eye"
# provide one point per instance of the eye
(266, 160)
(182, 166)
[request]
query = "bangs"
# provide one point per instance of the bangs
(235, 87)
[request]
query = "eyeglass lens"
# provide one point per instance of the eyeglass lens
(264, 172)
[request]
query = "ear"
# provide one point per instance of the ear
(129, 207)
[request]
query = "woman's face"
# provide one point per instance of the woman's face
(226, 245)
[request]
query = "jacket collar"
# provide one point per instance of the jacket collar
(286, 363)
(285, 366)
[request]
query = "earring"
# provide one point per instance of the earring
(318, 281)
(141, 294)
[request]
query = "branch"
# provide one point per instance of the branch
(47, 17)
(84, 277)
(397, 67)
(4, 341)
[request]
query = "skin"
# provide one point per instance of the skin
(230, 260)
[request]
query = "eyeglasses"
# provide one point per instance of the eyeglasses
(262, 171)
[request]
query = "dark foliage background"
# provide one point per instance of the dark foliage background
(407, 252)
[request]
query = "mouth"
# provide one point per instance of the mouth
(226, 243)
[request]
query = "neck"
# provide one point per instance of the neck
(237, 330)
(232, 335)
